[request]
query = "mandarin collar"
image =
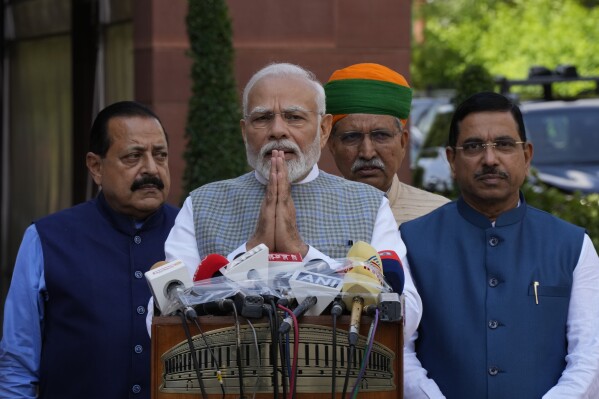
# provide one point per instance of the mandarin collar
(512, 216)
(125, 223)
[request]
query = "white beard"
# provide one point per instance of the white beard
(296, 168)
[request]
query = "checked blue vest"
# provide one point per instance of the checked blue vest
(332, 213)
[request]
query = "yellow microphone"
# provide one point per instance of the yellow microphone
(361, 284)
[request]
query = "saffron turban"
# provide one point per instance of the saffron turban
(368, 89)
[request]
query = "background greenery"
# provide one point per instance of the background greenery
(506, 37)
(215, 149)
(478, 40)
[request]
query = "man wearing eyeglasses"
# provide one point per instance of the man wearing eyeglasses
(370, 104)
(286, 203)
(511, 293)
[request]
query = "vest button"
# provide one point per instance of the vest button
(493, 241)
(493, 282)
(138, 274)
(137, 239)
(493, 324)
(136, 388)
(493, 370)
(138, 349)
(141, 310)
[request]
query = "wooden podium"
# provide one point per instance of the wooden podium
(174, 377)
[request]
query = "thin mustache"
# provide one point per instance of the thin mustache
(484, 172)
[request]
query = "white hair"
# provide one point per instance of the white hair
(285, 69)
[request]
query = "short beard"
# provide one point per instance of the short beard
(296, 168)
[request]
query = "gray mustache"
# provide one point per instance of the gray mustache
(371, 163)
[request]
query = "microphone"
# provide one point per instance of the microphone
(319, 266)
(251, 265)
(209, 267)
(365, 252)
(360, 288)
(338, 307)
(361, 284)
(167, 282)
(249, 306)
(393, 270)
(325, 288)
(219, 307)
(390, 306)
(298, 312)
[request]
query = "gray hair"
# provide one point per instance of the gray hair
(285, 69)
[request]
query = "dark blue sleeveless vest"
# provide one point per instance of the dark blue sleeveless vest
(482, 333)
(94, 342)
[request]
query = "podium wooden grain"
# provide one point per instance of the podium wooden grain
(167, 332)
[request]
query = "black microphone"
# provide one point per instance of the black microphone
(298, 312)
(249, 306)
(338, 307)
(222, 306)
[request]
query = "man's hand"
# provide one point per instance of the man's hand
(265, 228)
(277, 227)
(287, 237)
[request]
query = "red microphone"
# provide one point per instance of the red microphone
(210, 267)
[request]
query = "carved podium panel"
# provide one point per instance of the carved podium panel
(174, 376)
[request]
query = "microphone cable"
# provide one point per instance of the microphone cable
(219, 375)
(284, 302)
(258, 355)
(350, 354)
(336, 311)
(193, 354)
(238, 349)
(269, 309)
(293, 373)
(370, 342)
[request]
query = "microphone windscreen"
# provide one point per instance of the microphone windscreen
(393, 270)
(363, 251)
(209, 267)
(360, 281)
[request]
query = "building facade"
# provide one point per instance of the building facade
(63, 60)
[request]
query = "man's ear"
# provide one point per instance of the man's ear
(94, 165)
(326, 123)
(242, 126)
(450, 154)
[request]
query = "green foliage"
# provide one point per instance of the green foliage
(215, 149)
(581, 210)
(506, 37)
(439, 132)
(474, 79)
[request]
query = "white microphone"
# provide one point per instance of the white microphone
(167, 281)
(324, 287)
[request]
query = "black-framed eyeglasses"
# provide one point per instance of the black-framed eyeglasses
(502, 146)
(295, 118)
(381, 137)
